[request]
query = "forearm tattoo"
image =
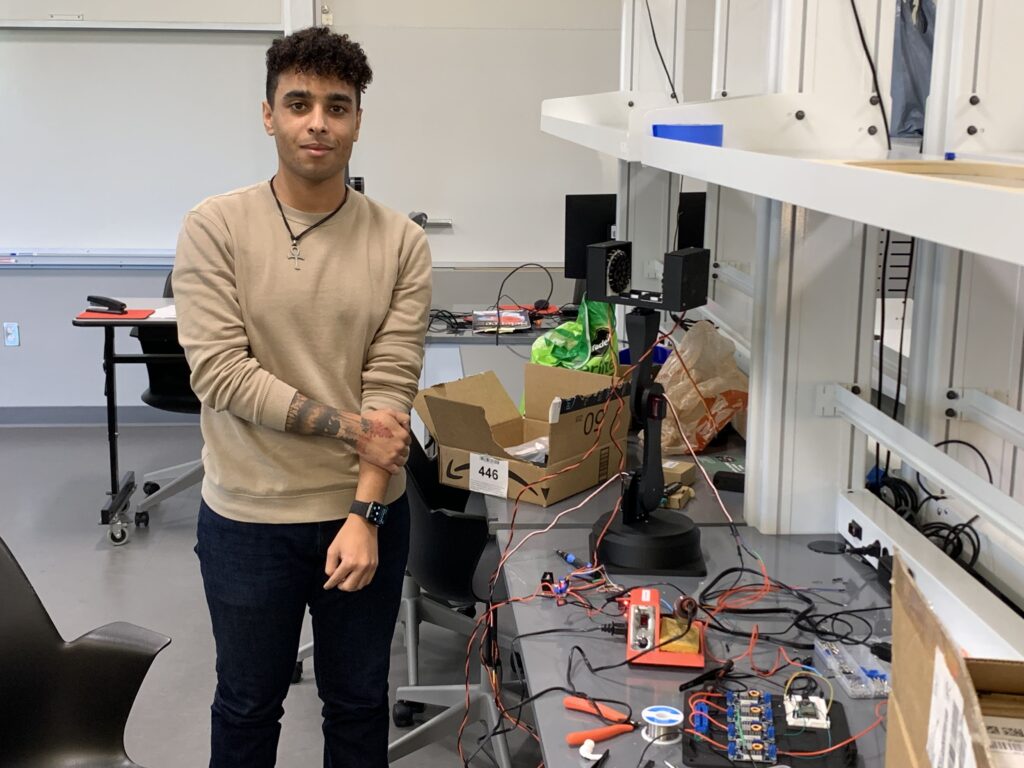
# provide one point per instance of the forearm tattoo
(308, 417)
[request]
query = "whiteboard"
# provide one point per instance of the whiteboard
(109, 137)
(117, 133)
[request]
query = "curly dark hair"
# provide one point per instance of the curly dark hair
(321, 52)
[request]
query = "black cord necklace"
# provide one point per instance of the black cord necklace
(294, 254)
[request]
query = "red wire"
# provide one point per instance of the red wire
(708, 718)
(702, 737)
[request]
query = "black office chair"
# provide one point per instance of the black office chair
(451, 558)
(65, 703)
(169, 390)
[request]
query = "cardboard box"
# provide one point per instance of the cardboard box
(680, 498)
(679, 471)
(474, 420)
(970, 710)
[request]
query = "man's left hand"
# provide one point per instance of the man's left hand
(352, 556)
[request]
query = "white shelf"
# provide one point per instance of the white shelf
(602, 121)
(812, 151)
(976, 217)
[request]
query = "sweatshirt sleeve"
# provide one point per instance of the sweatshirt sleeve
(225, 375)
(391, 373)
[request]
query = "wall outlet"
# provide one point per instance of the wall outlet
(12, 335)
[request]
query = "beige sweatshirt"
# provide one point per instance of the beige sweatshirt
(346, 329)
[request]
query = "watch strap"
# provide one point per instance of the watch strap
(373, 511)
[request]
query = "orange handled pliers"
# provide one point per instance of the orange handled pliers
(619, 722)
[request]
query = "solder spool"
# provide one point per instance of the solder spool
(663, 724)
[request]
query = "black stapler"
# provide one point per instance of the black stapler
(106, 305)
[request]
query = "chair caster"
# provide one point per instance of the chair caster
(402, 712)
(149, 488)
(142, 519)
(117, 532)
(297, 673)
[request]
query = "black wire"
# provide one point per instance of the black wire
(874, 72)
(448, 321)
(296, 238)
(881, 341)
(605, 667)
(904, 500)
(929, 496)
(554, 631)
(654, 34)
(650, 744)
(501, 290)
(806, 621)
(973, 447)
(679, 215)
(950, 539)
(903, 328)
(501, 730)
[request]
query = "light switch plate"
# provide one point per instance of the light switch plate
(12, 335)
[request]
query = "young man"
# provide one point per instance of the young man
(302, 307)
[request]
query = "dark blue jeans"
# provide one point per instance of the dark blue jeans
(259, 578)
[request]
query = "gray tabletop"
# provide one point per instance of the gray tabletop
(787, 558)
(468, 338)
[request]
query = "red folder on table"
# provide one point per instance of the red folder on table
(128, 314)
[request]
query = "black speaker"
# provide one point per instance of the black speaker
(685, 281)
(609, 267)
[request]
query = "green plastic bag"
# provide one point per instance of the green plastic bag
(587, 343)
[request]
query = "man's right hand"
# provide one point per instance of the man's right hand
(384, 439)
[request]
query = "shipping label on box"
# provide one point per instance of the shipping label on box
(1005, 741)
(949, 741)
(488, 475)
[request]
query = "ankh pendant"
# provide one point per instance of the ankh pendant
(295, 257)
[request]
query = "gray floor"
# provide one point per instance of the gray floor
(53, 481)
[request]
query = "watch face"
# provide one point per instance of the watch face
(377, 513)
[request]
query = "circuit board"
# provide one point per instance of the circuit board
(806, 712)
(750, 728)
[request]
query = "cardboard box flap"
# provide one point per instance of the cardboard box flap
(483, 389)
(918, 636)
(998, 677)
(461, 425)
(545, 383)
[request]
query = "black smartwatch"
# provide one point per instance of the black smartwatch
(373, 511)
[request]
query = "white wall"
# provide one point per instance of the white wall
(698, 50)
(451, 121)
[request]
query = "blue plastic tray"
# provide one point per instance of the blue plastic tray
(710, 134)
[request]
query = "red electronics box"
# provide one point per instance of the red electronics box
(647, 628)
